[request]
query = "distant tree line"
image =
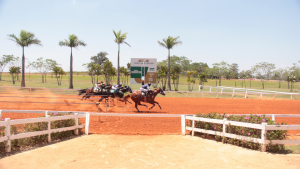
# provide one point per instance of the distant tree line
(199, 71)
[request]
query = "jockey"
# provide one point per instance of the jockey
(98, 86)
(116, 87)
(145, 89)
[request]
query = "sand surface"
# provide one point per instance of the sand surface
(136, 151)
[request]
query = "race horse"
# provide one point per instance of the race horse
(137, 97)
(105, 93)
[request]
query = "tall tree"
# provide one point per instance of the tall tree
(72, 43)
(169, 43)
(119, 40)
(26, 39)
(4, 61)
(264, 69)
(100, 58)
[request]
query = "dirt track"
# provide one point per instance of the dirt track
(154, 125)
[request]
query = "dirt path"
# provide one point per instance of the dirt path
(161, 151)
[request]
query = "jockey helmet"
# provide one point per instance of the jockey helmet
(149, 84)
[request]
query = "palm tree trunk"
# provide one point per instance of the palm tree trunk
(118, 80)
(23, 70)
(169, 83)
(71, 71)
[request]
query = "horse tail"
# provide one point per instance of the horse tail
(81, 91)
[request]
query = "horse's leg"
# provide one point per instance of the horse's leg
(152, 106)
(136, 107)
(143, 105)
(157, 104)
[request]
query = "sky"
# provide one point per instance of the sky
(236, 31)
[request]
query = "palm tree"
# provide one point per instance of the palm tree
(169, 43)
(26, 39)
(72, 43)
(119, 40)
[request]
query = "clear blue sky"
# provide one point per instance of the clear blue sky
(236, 31)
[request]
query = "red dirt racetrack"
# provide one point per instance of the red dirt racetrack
(149, 125)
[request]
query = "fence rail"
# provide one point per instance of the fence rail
(263, 127)
(247, 91)
(7, 123)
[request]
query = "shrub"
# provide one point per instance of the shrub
(244, 131)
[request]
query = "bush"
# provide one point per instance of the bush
(244, 131)
(39, 126)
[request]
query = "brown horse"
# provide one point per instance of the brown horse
(137, 97)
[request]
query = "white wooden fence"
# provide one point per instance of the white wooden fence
(7, 123)
(247, 91)
(263, 127)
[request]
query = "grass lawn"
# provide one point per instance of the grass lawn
(82, 80)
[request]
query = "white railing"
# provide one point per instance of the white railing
(263, 127)
(248, 91)
(7, 123)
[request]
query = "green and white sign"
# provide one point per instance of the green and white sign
(143, 70)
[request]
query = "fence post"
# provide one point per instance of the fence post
(221, 90)
(49, 128)
(87, 122)
(193, 125)
(224, 126)
(46, 113)
(261, 95)
(7, 133)
(246, 94)
(76, 124)
(202, 94)
(210, 89)
(0, 113)
(199, 88)
(273, 117)
(274, 96)
(263, 137)
(183, 125)
(217, 94)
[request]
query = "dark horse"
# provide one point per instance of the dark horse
(105, 93)
(138, 98)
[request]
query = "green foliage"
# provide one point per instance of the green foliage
(4, 61)
(14, 71)
(244, 131)
(40, 126)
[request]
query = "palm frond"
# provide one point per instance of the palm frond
(170, 42)
(13, 37)
(25, 39)
(79, 43)
(162, 44)
(64, 43)
(127, 44)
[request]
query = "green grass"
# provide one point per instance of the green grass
(295, 149)
(82, 80)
